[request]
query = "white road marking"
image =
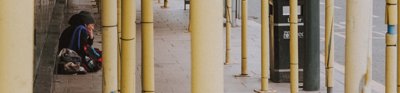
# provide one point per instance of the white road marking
(336, 7)
(340, 34)
(343, 35)
(338, 67)
(375, 16)
(321, 27)
(376, 32)
(339, 26)
(342, 23)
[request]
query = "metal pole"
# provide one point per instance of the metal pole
(148, 47)
(329, 45)
(391, 20)
(358, 46)
(119, 43)
(128, 42)
(264, 46)
(244, 40)
(294, 52)
(165, 3)
(240, 9)
(207, 46)
(16, 38)
(228, 31)
(236, 10)
(398, 50)
(311, 74)
(110, 45)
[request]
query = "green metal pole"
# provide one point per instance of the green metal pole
(311, 68)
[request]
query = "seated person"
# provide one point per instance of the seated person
(79, 38)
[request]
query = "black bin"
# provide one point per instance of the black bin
(280, 46)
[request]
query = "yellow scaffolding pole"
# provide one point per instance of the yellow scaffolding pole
(244, 40)
(398, 50)
(294, 52)
(110, 45)
(148, 47)
(128, 45)
(165, 3)
(329, 44)
(264, 46)
(207, 46)
(228, 31)
(391, 66)
(119, 44)
(16, 38)
(358, 46)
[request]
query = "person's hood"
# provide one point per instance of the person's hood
(81, 18)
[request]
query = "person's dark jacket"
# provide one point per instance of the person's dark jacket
(66, 37)
(76, 38)
(76, 20)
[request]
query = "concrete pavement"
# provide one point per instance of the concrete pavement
(172, 57)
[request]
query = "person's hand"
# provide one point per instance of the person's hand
(90, 28)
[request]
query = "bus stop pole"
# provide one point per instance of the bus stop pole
(311, 74)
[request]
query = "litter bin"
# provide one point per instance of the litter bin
(280, 30)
